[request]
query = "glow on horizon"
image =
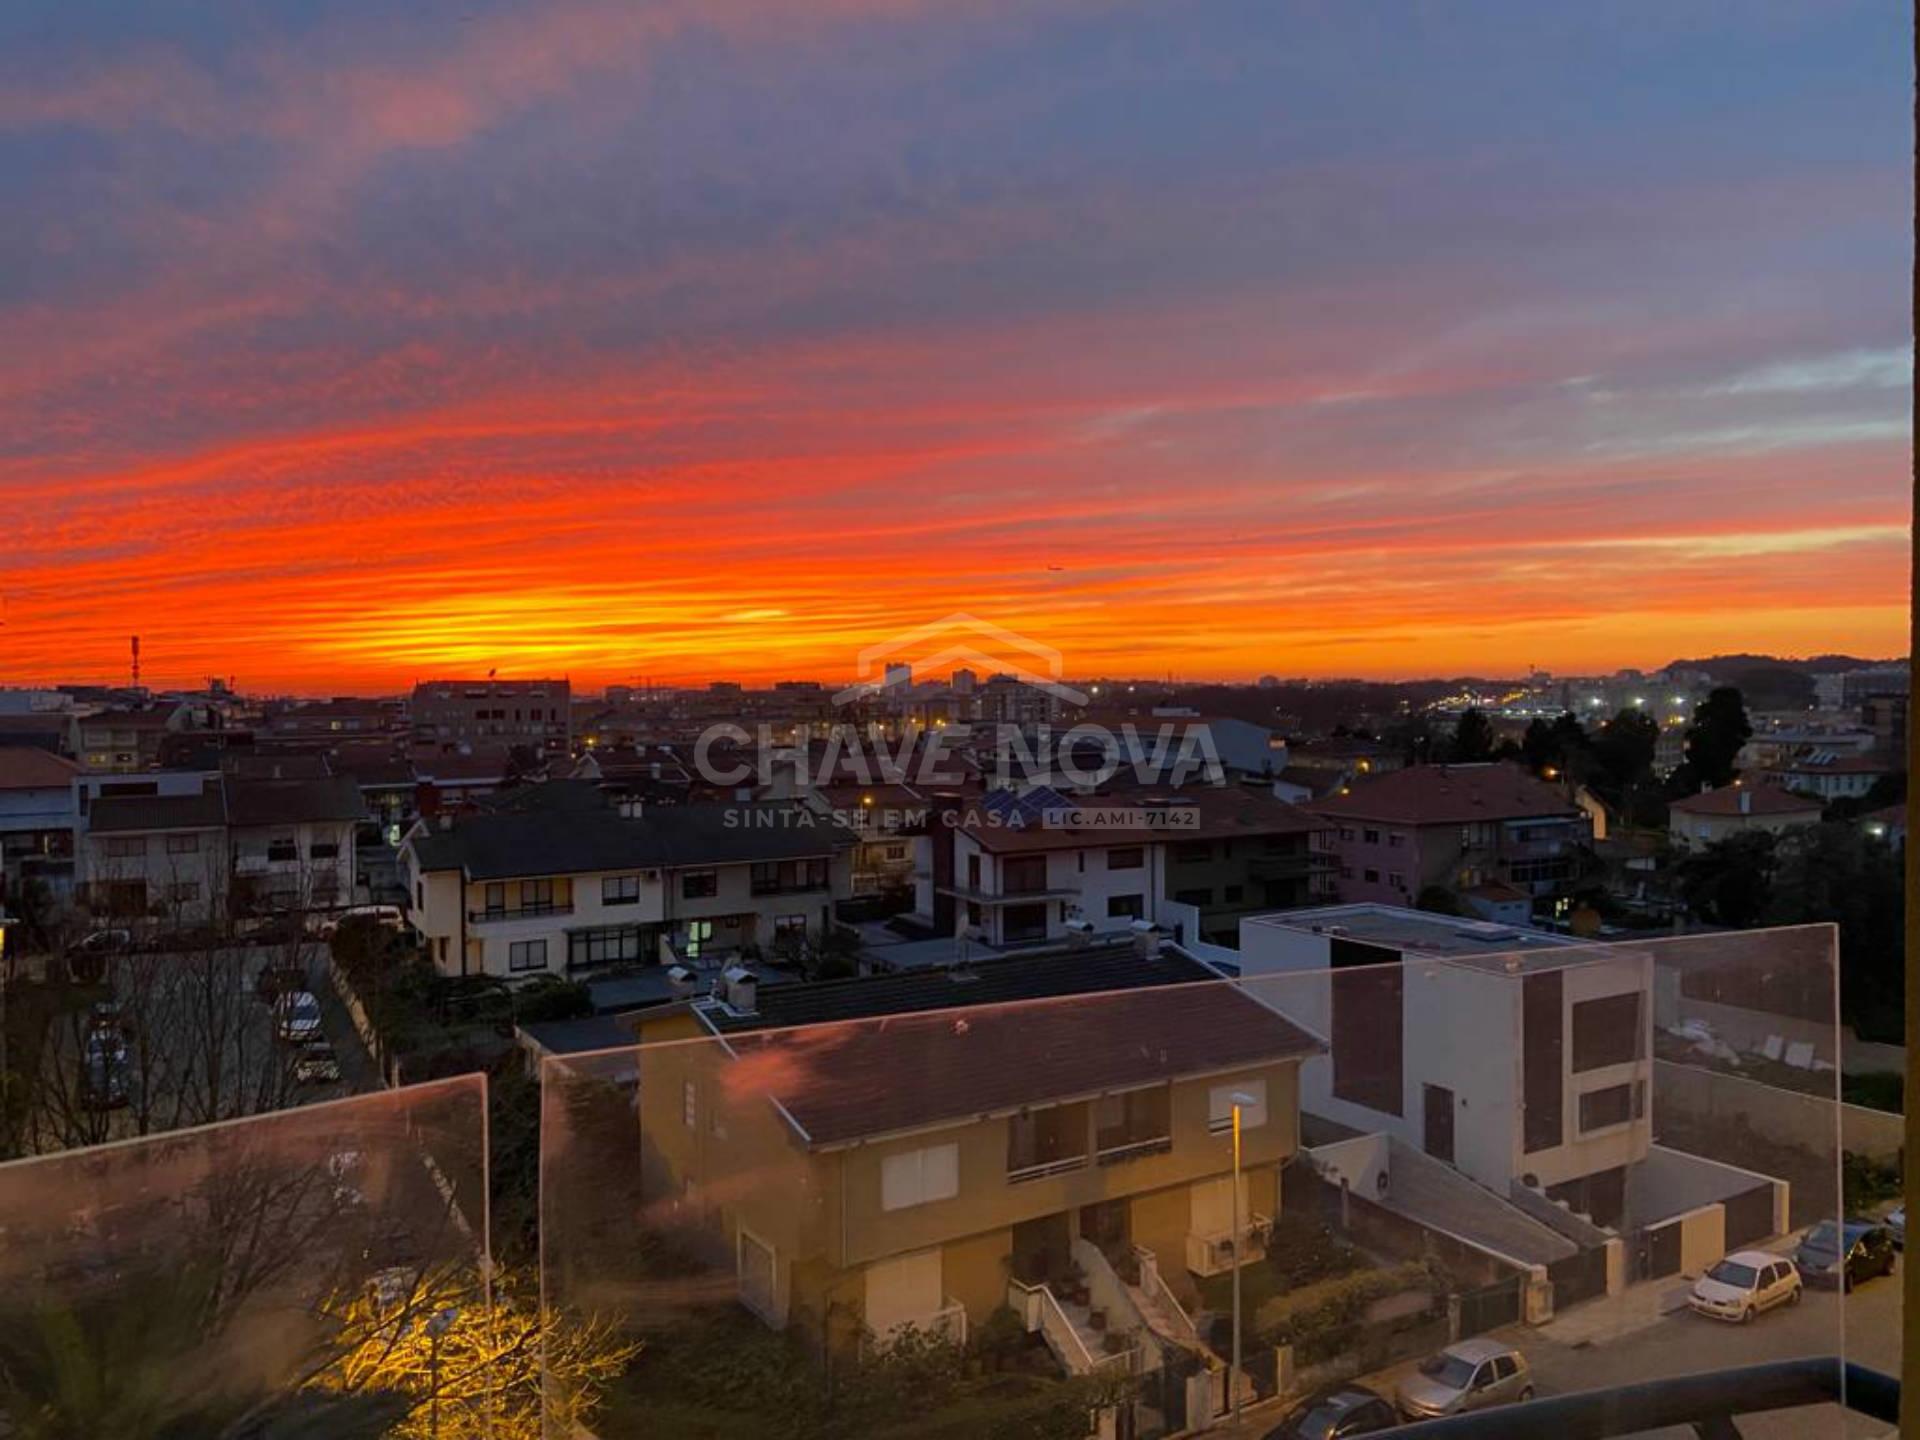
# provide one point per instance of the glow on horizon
(694, 342)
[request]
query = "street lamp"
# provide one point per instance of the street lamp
(436, 1327)
(1238, 1098)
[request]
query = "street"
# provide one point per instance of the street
(1681, 1343)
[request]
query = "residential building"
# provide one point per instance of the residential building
(1829, 774)
(1455, 827)
(534, 713)
(237, 846)
(563, 879)
(864, 1159)
(1699, 820)
(341, 718)
(39, 812)
(883, 822)
(116, 741)
(1514, 1056)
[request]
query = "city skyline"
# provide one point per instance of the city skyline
(719, 340)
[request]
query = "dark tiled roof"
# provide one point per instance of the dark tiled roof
(566, 828)
(1448, 795)
(1761, 800)
(28, 767)
(1108, 1021)
(125, 813)
(291, 802)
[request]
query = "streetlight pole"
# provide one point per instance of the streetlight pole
(1233, 1373)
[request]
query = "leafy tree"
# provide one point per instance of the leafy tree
(1472, 739)
(1720, 728)
(1439, 900)
(1730, 882)
(1835, 873)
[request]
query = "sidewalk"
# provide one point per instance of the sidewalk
(1607, 1318)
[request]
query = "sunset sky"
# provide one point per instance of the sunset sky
(346, 344)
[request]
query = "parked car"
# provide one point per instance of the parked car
(298, 1013)
(1471, 1375)
(390, 916)
(103, 1070)
(1844, 1254)
(1335, 1415)
(1896, 1223)
(105, 942)
(317, 1065)
(1743, 1285)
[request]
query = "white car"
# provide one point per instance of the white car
(1744, 1284)
(298, 1013)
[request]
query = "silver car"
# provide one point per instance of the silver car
(1471, 1375)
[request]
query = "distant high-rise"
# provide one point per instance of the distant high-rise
(536, 713)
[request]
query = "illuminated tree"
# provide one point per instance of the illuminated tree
(473, 1366)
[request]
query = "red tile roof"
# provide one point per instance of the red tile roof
(1761, 800)
(28, 767)
(1448, 795)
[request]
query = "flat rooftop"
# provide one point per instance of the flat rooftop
(1421, 932)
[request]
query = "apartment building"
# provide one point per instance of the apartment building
(117, 741)
(340, 718)
(998, 869)
(505, 713)
(562, 878)
(235, 846)
(39, 811)
(922, 1149)
(1699, 820)
(1453, 826)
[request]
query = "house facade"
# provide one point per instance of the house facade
(1713, 815)
(1452, 826)
(937, 1153)
(39, 813)
(571, 881)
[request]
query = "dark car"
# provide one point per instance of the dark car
(1844, 1254)
(1336, 1415)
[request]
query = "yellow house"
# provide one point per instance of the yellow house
(1051, 1132)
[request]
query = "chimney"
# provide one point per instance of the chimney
(1746, 802)
(1146, 939)
(741, 984)
(680, 981)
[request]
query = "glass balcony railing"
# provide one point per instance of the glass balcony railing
(1391, 1176)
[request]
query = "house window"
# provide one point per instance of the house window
(1346, 832)
(1373, 877)
(1372, 837)
(496, 899)
(281, 848)
(323, 850)
(1126, 907)
(1253, 1104)
(794, 925)
(1134, 1121)
(699, 932)
(1023, 875)
(1197, 898)
(607, 945)
(780, 877)
(527, 955)
(973, 872)
(699, 884)
(419, 895)
(919, 1177)
(183, 844)
(973, 912)
(619, 889)
(1131, 857)
(126, 847)
(1601, 1108)
(536, 897)
(1607, 1032)
(1395, 840)
(1193, 852)
(1397, 880)
(1046, 1141)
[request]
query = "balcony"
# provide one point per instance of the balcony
(522, 912)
